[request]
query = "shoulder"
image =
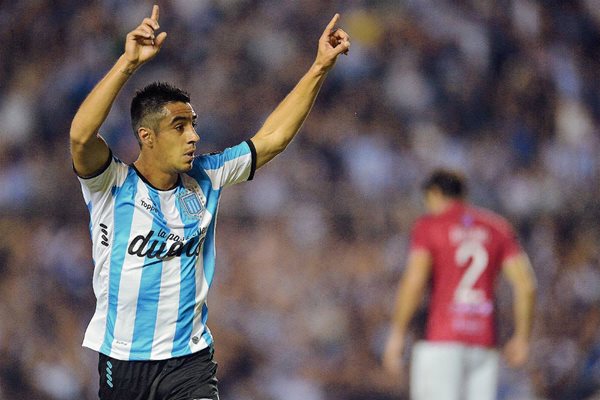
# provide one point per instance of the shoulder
(492, 219)
(424, 223)
(217, 159)
(113, 172)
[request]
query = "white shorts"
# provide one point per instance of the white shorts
(453, 371)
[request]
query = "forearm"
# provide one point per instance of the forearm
(408, 300)
(95, 108)
(285, 121)
(523, 308)
(520, 275)
(289, 115)
(411, 290)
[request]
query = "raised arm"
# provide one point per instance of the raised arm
(409, 297)
(88, 150)
(284, 122)
(519, 274)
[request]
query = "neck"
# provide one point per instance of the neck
(158, 178)
(450, 202)
(444, 204)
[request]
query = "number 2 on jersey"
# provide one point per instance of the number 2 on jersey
(470, 254)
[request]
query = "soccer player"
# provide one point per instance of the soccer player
(153, 222)
(459, 250)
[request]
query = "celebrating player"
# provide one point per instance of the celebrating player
(153, 222)
(460, 250)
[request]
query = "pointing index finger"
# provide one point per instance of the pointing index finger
(155, 13)
(330, 25)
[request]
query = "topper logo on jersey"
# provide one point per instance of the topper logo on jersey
(148, 205)
(151, 247)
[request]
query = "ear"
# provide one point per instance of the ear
(146, 136)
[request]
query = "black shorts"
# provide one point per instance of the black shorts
(190, 377)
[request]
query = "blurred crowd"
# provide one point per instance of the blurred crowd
(310, 252)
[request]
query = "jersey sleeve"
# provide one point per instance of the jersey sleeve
(105, 178)
(510, 244)
(419, 237)
(233, 165)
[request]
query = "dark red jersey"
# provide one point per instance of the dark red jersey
(468, 246)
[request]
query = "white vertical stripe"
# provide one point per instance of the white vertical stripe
(102, 210)
(129, 286)
(201, 294)
(168, 303)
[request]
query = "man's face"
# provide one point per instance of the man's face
(176, 137)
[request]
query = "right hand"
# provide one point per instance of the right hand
(392, 355)
(141, 43)
(516, 352)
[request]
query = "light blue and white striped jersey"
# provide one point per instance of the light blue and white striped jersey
(154, 255)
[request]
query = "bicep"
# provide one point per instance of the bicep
(89, 157)
(518, 271)
(418, 269)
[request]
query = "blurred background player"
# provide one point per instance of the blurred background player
(459, 251)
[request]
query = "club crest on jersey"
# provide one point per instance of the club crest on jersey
(192, 205)
(467, 220)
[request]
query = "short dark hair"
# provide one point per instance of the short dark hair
(450, 183)
(148, 103)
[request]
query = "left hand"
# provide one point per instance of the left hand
(392, 355)
(332, 43)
